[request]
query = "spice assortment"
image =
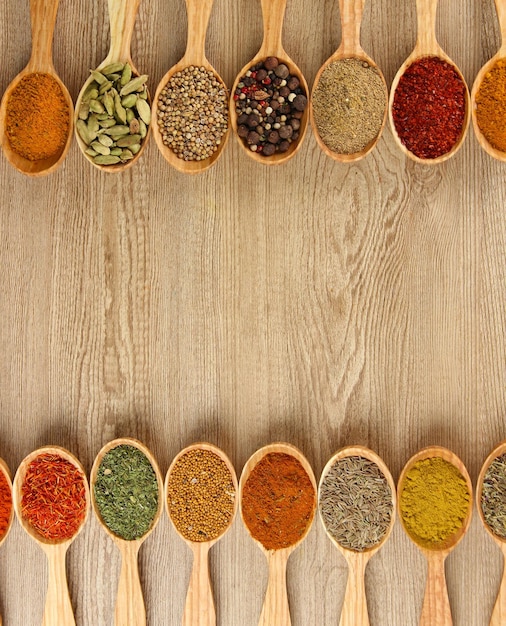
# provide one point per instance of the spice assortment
(114, 115)
(269, 103)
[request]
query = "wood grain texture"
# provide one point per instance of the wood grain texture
(317, 303)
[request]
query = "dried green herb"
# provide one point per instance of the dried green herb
(356, 503)
(126, 492)
(493, 496)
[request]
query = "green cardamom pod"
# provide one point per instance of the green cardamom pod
(105, 140)
(116, 151)
(82, 129)
(126, 74)
(108, 102)
(96, 106)
(143, 129)
(98, 77)
(135, 148)
(144, 111)
(134, 85)
(129, 101)
(126, 155)
(105, 87)
(119, 110)
(84, 111)
(98, 147)
(130, 115)
(93, 124)
(130, 140)
(113, 68)
(108, 159)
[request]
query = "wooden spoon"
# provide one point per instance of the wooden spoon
(130, 608)
(276, 610)
(427, 45)
(58, 610)
(199, 607)
(354, 612)
(501, 54)
(351, 20)
(43, 18)
(273, 12)
(122, 15)
(499, 613)
(436, 605)
(198, 12)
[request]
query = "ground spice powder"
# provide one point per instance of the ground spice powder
(429, 107)
(5, 504)
(434, 502)
(37, 117)
(491, 106)
(278, 501)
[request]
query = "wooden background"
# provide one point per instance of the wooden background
(316, 303)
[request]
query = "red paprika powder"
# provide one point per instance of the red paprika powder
(5, 504)
(429, 107)
(278, 501)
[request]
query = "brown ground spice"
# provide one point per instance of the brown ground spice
(278, 501)
(37, 117)
(491, 106)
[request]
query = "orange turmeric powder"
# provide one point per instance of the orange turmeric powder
(491, 106)
(37, 117)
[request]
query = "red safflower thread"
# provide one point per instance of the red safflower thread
(5, 504)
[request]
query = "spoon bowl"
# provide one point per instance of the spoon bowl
(500, 55)
(273, 12)
(276, 610)
(499, 612)
(198, 18)
(58, 608)
(122, 15)
(43, 18)
(130, 608)
(354, 612)
(428, 46)
(351, 20)
(199, 607)
(436, 602)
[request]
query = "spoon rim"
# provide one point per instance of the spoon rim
(415, 56)
(278, 158)
(354, 156)
(370, 455)
(194, 166)
(430, 452)
(498, 451)
(291, 450)
(203, 445)
(135, 443)
(18, 482)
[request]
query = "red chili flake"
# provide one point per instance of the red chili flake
(429, 107)
(53, 497)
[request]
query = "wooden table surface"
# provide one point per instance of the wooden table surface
(316, 303)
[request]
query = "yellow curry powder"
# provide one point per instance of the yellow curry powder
(491, 106)
(434, 502)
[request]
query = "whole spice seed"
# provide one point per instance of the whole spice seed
(114, 114)
(200, 495)
(5, 504)
(434, 502)
(491, 106)
(37, 117)
(126, 492)
(493, 496)
(269, 104)
(193, 113)
(53, 497)
(278, 501)
(349, 104)
(355, 503)
(429, 107)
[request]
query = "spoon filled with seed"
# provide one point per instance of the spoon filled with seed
(278, 503)
(200, 495)
(349, 100)
(36, 110)
(113, 110)
(268, 105)
(356, 500)
(190, 107)
(127, 494)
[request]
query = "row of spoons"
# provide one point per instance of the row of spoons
(199, 608)
(122, 14)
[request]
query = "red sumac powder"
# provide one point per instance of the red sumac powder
(278, 501)
(429, 107)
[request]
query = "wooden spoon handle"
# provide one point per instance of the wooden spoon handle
(58, 609)
(122, 15)
(199, 608)
(43, 18)
(499, 613)
(436, 605)
(351, 20)
(130, 607)
(198, 12)
(426, 12)
(273, 13)
(500, 6)
(276, 611)
(354, 611)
